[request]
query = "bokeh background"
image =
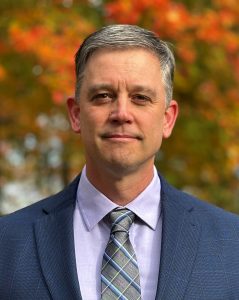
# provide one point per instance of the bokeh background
(38, 40)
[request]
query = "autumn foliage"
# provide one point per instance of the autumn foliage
(37, 45)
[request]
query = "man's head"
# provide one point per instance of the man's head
(126, 37)
(120, 109)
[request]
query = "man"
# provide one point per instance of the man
(119, 230)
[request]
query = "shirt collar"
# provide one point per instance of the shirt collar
(94, 205)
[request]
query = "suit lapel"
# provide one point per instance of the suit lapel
(55, 244)
(180, 237)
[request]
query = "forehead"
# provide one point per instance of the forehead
(131, 59)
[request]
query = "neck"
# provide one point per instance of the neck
(120, 189)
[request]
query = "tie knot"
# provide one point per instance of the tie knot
(121, 220)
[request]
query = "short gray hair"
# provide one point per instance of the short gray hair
(124, 37)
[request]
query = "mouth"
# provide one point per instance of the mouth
(121, 137)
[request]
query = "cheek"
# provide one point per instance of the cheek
(155, 124)
(158, 136)
(90, 123)
(155, 132)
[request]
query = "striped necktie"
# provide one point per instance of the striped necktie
(120, 273)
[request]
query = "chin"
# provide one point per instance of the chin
(122, 167)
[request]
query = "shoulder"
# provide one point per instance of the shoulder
(23, 219)
(20, 230)
(209, 216)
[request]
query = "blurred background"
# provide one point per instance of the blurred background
(39, 154)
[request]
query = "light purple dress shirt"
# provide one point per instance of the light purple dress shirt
(91, 234)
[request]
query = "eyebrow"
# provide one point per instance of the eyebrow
(101, 86)
(144, 89)
(135, 89)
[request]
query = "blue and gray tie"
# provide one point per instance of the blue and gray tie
(120, 273)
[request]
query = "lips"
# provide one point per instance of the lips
(121, 136)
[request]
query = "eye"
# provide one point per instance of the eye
(141, 99)
(102, 98)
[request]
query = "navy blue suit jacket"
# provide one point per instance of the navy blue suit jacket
(199, 257)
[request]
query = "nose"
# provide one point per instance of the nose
(120, 112)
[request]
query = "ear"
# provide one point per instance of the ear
(170, 117)
(74, 114)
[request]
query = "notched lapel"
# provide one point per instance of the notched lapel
(55, 244)
(180, 239)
